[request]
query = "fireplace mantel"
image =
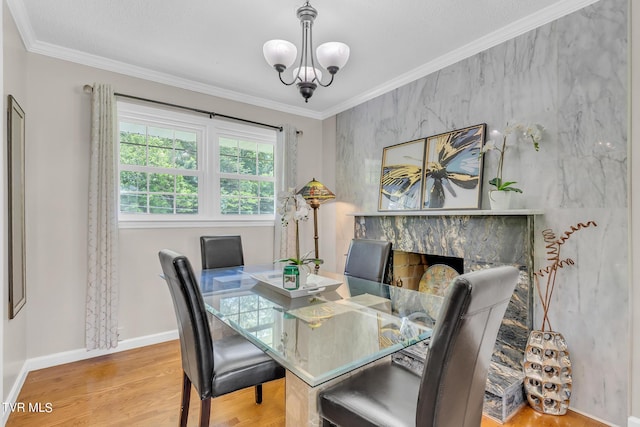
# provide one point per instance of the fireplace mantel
(474, 212)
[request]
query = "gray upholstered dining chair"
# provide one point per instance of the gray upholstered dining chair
(213, 367)
(450, 392)
(369, 259)
(221, 251)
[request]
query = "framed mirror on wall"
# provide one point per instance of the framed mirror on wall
(15, 163)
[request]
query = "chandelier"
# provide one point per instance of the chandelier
(281, 54)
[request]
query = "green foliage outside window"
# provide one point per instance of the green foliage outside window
(160, 170)
(162, 192)
(246, 196)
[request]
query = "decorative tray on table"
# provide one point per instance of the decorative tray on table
(315, 284)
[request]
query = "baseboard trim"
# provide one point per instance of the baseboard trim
(12, 397)
(74, 356)
(82, 354)
(633, 422)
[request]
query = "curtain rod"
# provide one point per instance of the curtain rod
(211, 114)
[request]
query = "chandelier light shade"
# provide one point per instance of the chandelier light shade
(333, 54)
(316, 193)
(281, 54)
(307, 74)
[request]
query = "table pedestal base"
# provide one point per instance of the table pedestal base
(302, 400)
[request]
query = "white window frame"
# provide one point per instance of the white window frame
(208, 131)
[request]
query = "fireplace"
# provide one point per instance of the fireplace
(465, 241)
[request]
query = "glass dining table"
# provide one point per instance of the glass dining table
(331, 327)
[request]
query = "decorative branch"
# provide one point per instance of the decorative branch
(552, 246)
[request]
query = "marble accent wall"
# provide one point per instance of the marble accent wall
(571, 76)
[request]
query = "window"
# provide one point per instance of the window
(159, 171)
(247, 184)
(178, 167)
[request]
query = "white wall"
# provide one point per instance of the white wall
(327, 211)
(14, 345)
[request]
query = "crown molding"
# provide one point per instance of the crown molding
(21, 18)
(542, 17)
(100, 62)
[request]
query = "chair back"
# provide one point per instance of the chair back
(221, 251)
(455, 373)
(193, 326)
(368, 259)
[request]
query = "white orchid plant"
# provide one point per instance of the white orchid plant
(293, 207)
(531, 133)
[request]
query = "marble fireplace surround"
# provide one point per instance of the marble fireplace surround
(482, 238)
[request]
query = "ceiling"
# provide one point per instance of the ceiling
(215, 47)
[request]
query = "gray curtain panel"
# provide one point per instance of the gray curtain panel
(102, 281)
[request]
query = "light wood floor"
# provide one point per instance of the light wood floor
(142, 387)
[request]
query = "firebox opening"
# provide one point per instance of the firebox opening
(409, 268)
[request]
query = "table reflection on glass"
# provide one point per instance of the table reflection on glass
(339, 325)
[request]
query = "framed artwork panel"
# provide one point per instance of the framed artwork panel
(15, 156)
(401, 176)
(453, 169)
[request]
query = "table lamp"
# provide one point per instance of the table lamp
(316, 193)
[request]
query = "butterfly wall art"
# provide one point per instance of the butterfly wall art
(401, 176)
(453, 169)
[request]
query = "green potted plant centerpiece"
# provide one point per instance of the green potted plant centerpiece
(502, 190)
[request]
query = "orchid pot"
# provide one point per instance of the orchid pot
(500, 200)
(501, 193)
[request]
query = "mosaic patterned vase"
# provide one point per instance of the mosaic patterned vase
(547, 370)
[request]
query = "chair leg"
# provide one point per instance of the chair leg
(259, 394)
(186, 396)
(205, 411)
